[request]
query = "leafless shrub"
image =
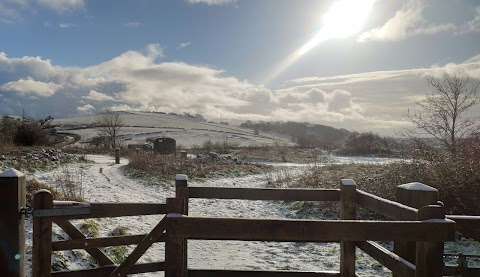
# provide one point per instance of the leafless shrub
(70, 184)
(283, 177)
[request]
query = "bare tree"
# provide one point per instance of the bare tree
(282, 149)
(109, 124)
(445, 111)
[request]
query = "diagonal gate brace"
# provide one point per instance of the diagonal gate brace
(147, 241)
(74, 233)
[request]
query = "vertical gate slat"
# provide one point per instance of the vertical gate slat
(42, 236)
(176, 261)
(429, 254)
(348, 190)
(12, 223)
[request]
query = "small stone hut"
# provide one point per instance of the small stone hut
(165, 146)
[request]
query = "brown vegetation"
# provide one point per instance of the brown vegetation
(456, 178)
(34, 185)
(165, 167)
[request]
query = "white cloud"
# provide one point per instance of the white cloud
(470, 67)
(98, 96)
(30, 86)
(340, 101)
(62, 6)
(407, 22)
(212, 2)
(17, 2)
(135, 80)
(155, 51)
(66, 25)
(183, 45)
(471, 26)
(85, 108)
(8, 13)
(14, 11)
(379, 98)
(35, 67)
(121, 107)
(132, 24)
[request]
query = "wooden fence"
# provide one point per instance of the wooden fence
(469, 226)
(419, 231)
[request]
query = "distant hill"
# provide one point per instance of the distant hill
(303, 133)
(187, 130)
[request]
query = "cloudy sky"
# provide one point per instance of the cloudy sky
(354, 64)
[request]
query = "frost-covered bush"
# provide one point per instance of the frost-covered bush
(70, 183)
(29, 133)
(455, 175)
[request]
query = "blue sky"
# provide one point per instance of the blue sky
(233, 60)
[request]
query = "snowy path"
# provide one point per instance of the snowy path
(104, 182)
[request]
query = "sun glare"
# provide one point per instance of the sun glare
(346, 18)
(343, 19)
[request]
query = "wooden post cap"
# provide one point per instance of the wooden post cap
(181, 177)
(348, 182)
(42, 191)
(11, 173)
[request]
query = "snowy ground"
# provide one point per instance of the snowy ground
(104, 182)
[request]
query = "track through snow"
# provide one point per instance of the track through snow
(103, 181)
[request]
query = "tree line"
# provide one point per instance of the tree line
(303, 133)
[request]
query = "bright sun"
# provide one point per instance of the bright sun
(343, 19)
(346, 17)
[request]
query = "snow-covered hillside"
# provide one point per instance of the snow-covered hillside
(185, 130)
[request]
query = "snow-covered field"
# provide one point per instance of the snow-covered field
(186, 131)
(104, 182)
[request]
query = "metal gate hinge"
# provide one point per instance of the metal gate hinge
(26, 211)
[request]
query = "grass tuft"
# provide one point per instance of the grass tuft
(90, 228)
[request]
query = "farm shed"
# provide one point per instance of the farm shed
(165, 146)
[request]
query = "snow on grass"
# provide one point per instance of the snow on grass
(104, 182)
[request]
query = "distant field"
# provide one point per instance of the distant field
(185, 130)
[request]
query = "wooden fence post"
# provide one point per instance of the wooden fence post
(12, 223)
(175, 247)
(183, 155)
(429, 260)
(416, 195)
(181, 190)
(42, 235)
(117, 155)
(348, 190)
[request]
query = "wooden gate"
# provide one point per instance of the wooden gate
(47, 212)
